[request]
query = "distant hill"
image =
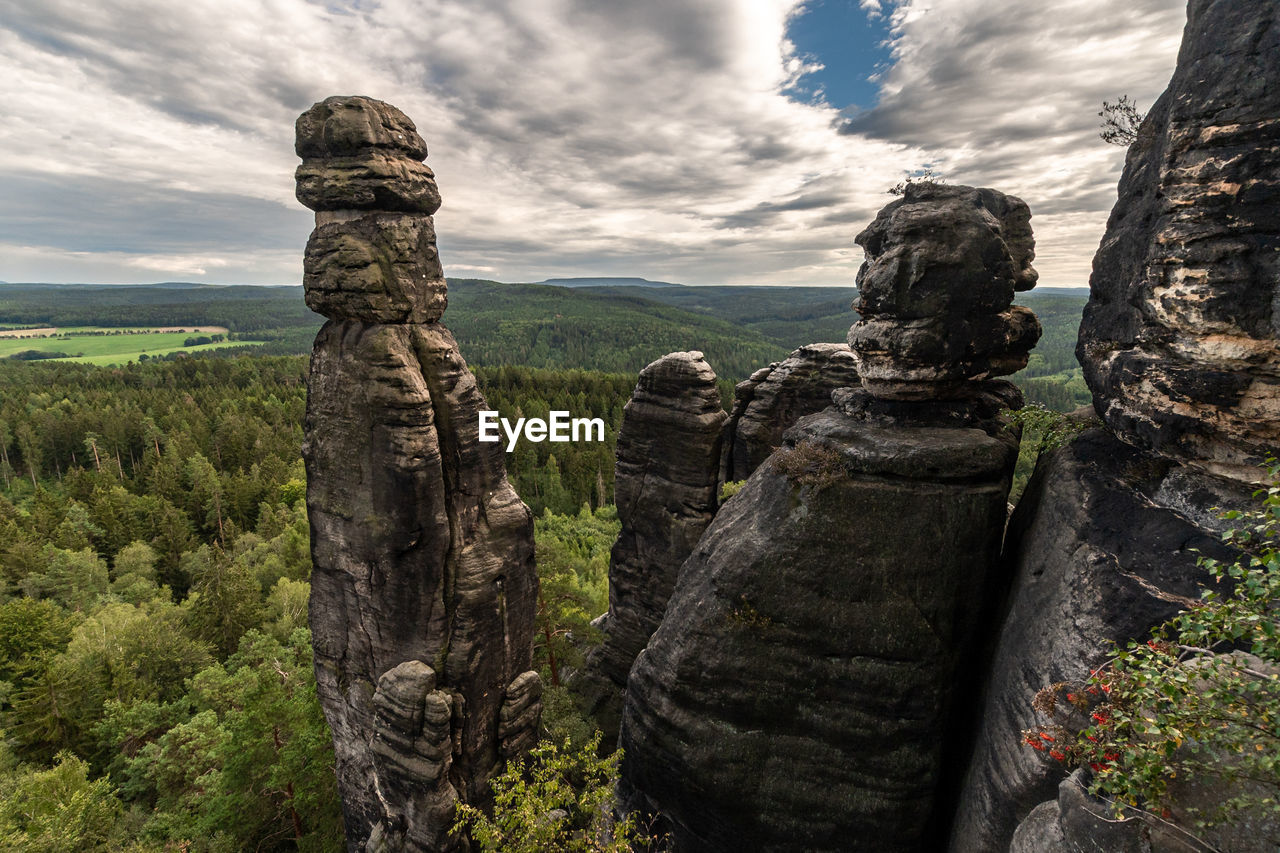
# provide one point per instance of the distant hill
(598, 327)
(607, 282)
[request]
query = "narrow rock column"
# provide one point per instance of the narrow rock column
(423, 591)
(801, 691)
(666, 483)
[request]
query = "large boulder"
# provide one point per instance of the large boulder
(936, 292)
(800, 691)
(666, 483)
(1179, 339)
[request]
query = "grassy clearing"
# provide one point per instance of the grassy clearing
(118, 346)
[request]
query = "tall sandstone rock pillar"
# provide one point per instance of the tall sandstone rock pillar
(424, 591)
(666, 482)
(1180, 345)
(800, 692)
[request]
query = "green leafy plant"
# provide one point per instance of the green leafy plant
(1044, 429)
(1198, 703)
(730, 489)
(558, 798)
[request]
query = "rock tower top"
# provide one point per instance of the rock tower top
(362, 154)
(936, 292)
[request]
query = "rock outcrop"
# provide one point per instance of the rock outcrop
(772, 399)
(1179, 342)
(666, 482)
(801, 691)
(1102, 547)
(1179, 346)
(423, 590)
(936, 292)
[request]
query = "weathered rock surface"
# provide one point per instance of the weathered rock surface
(362, 154)
(666, 482)
(1179, 339)
(798, 692)
(769, 402)
(1101, 548)
(380, 268)
(936, 292)
(412, 750)
(423, 590)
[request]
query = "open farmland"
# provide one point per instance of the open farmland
(112, 344)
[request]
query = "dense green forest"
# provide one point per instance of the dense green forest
(155, 668)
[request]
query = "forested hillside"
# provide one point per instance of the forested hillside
(156, 689)
(611, 329)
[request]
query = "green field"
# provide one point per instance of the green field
(119, 345)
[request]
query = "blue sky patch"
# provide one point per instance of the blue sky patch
(850, 44)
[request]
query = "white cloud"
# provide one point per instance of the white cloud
(569, 137)
(1005, 93)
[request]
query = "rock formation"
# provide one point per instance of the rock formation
(773, 398)
(1179, 340)
(1179, 346)
(1097, 555)
(423, 590)
(666, 483)
(936, 292)
(800, 691)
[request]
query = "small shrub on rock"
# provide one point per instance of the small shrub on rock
(809, 464)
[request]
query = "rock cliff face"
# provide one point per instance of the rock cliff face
(1102, 546)
(423, 590)
(666, 483)
(1179, 339)
(1179, 346)
(773, 398)
(800, 691)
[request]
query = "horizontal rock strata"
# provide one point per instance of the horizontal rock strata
(1179, 341)
(423, 589)
(936, 292)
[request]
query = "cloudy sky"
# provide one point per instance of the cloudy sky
(698, 141)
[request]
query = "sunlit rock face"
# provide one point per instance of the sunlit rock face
(666, 482)
(936, 292)
(1179, 339)
(423, 591)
